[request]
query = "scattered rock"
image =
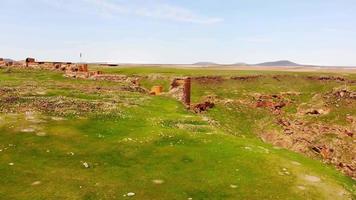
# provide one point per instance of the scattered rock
(28, 130)
(202, 107)
(329, 78)
(57, 118)
(273, 102)
(313, 179)
(248, 148)
(36, 183)
(41, 92)
(313, 139)
(41, 134)
(324, 151)
(158, 181)
(131, 194)
(343, 93)
(85, 164)
(317, 112)
(246, 78)
(208, 79)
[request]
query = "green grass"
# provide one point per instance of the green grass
(153, 138)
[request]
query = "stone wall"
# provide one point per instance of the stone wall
(181, 89)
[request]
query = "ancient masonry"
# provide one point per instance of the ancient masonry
(5, 63)
(181, 89)
(30, 61)
(156, 90)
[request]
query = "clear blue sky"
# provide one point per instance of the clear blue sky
(185, 31)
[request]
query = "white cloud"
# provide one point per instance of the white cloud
(166, 11)
(151, 9)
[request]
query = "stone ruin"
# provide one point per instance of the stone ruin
(181, 89)
(6, 63)
(99, 76)
(31, 62)
(2, 62)
(202, 107)
(156, 90)
(83, 68)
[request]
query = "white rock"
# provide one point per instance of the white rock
(233, 186)
(131, 194)
(28, 130)
(248, 148)
(41, 92)
(158, 181)
(11, 164)
(36, 183)
(86, 165)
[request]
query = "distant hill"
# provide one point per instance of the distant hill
(205, 63)
(241, 64)
(267, 64)
(8, 60)
(279, 63)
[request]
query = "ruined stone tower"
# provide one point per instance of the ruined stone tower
(181, 89)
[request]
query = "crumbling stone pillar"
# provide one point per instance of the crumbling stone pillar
(29, 61)
(181, 89)
(83, 67)
(2, 62)
(186, 91)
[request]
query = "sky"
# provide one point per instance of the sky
(319, 32)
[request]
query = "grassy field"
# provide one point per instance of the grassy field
(80, 139)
